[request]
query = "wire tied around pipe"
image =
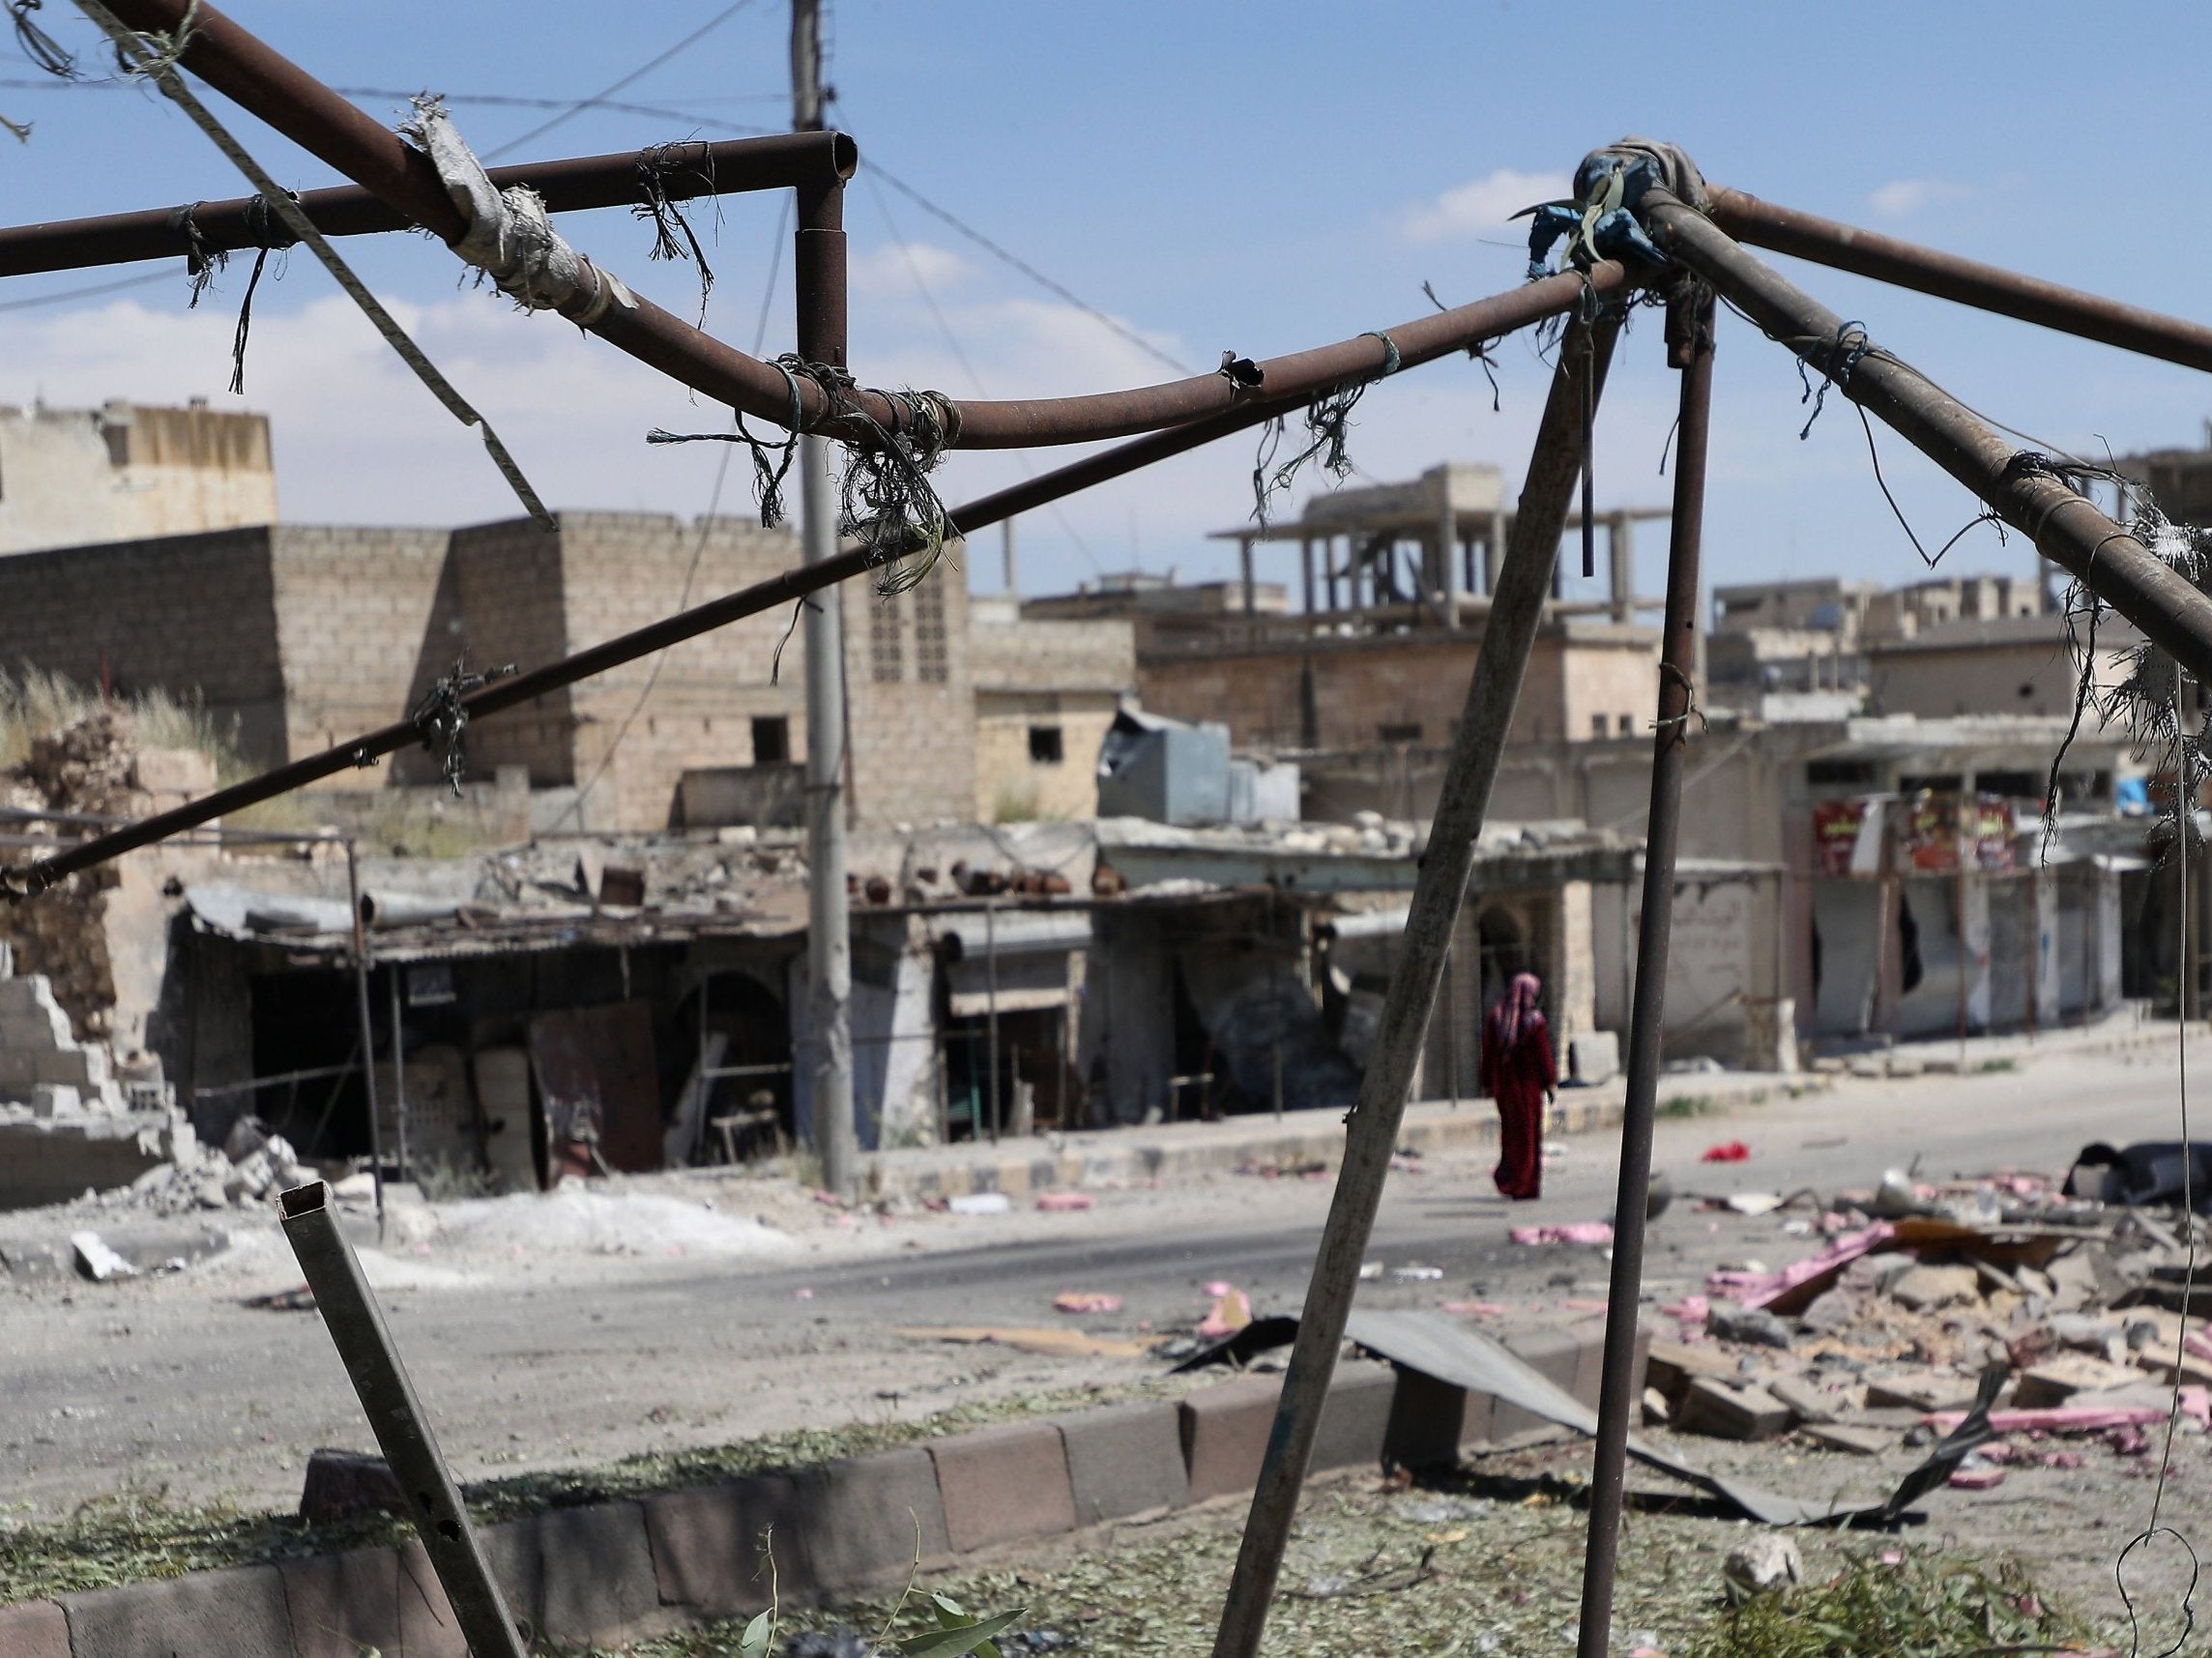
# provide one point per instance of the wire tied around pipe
(442, 717)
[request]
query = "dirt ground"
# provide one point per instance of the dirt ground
(683, 1311)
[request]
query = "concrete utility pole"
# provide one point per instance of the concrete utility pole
(828, 939)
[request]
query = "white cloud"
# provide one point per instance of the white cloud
(1483, 204)
(1902, 198)
(890, 270)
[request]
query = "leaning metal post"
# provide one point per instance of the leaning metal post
(2027, 490)
(367, 1036)
(395, 1416)
(1515, 608)
(1690, 349)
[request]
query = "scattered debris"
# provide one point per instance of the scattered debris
(1051, 1343)
(1416, 1274)
(345, 1485)
(1727, 1151)
(1086, 1301)
(1753, 1326)
(1064, 1203)
(1231, 1312)
(1760, 1566)
(981, 1203)
(1586, 1232)
(96, 1260)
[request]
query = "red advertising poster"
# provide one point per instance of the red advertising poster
(1993, 830)
(1932, 834)
(1836, 828)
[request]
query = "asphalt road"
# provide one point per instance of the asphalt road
(562, 1361)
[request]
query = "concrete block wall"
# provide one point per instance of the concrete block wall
(622, 1571)
(37, 1046)
(352, 617)
(507, 606)
(913, 737)
(117, 608)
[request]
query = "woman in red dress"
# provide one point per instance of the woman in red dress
(1518, 1072)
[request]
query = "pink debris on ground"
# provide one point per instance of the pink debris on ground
(1474, 1309)
(1804, 1279)
(1573, 1232)
(1727, 1151)
(1976, 1479)
(1086, 1301)
(2197, 1343)
(1231, 1312)
(1062, 1202)
(2196, 1402)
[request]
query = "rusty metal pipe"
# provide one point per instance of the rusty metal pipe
(800, 161)
(1966, 281)
(259, 80)
(1690, 349)
(1485, 319)
(1438, 891)
(2057, 519)
(395, 1416)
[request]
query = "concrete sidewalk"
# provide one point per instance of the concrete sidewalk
(1303, 1140)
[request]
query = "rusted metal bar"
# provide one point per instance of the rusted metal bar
(1440, 887)
(260, 81)
(1484, 319)
(2019, 485)
(395, 1416)
(1690, 349)
(1967, 281)
(725, 167)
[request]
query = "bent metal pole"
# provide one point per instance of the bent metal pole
(1439, 888)
(266, 84)
(1966, 281)
(395, 1416)
(2021, 486)
(1472, 324)
(1690, 349)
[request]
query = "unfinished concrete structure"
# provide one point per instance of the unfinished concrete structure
(123, 472)
(1046, 691)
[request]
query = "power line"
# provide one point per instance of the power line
(877, 169)
(640, 72)
(943, 327)
(143, 279)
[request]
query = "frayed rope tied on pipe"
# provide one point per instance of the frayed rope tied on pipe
(442, 717)
(201, 262)
(1328, 423)
(885, 500)
(655, 169)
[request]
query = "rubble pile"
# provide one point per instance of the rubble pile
(246, 1172)
(1883, 1338)
(85, 767)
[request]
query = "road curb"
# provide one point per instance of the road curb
(626, 1570)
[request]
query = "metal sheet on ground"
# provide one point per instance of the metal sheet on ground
(1468, 1359)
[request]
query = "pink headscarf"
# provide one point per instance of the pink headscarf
(1519, 1009)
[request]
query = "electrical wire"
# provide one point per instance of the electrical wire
(639, 73)
(951, 341)
(145, 279)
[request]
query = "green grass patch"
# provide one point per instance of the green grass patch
(1688, 1105)
(1919, 1606)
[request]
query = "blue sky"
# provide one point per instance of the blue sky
(1214, 175)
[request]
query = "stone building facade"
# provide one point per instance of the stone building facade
(77, 477)
(299, 636)
(1046, 691)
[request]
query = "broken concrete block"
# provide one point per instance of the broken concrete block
(2058, 1380)
(1831, 1311)
(238, 1612)
(1674, 1366)
(1877, 1272)
(1923, 1390)
(96, 1260)
(1925, 1288)
(1657, 1413)
(1760, 1566)
(1857, 1439)
(1807, 1402)
(1754, 1327)
(1733, 1413)
(344, 1485)
(246, 1136)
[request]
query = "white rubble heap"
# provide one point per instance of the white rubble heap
(250, 1169)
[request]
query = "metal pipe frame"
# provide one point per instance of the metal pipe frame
(785, 160)
(1690, 349)
(2020, 486)
(1482, 320)
(1966, 281)
(1438, 891)
(395, 1416)
(260, 81)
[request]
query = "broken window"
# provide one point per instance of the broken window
(1045, 745)
(887, 657)
(929, 657)
(772, 741)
